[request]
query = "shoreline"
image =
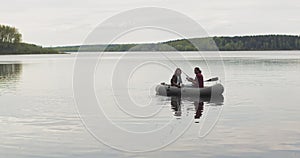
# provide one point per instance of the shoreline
(149, 52)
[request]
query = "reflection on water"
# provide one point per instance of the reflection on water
(199, 106)
(198, 102)
(10, 70)
(176, 105)
(9, 76)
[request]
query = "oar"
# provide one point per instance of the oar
(212, 79)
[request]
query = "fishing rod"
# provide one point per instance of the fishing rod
(175, 65)
(209, 80)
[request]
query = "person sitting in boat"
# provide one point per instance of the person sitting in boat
(198, 81)
(176, 78)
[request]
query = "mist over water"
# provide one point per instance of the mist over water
(259, 116)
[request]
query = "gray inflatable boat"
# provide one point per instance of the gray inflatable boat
(189, 91)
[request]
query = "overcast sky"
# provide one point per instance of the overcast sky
(68, 22)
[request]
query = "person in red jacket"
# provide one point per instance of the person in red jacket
(198, 81)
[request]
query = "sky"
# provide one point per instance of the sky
(69, 22)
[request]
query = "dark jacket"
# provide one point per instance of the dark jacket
(174, 81)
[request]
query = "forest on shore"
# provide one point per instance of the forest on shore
(11, 43)
(237, 43)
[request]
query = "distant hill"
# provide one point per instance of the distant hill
(237, 43)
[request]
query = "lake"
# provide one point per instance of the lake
(48, 105)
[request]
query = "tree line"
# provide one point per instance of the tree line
(262, 42)
(237, 43)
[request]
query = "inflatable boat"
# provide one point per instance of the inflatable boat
(189, 91)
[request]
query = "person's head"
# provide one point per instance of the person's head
(197, 70)
(178, 72)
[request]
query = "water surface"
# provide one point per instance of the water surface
(259, 116)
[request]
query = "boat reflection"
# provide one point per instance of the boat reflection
(198, 102)
(199, 106)
(176, 106)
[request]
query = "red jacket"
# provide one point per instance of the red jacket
(199, 78)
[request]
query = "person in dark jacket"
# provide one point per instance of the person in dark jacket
(198, 81)
(176, 78)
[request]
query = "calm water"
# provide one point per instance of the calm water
(258, 118)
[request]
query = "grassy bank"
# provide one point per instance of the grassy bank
(24, 48)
